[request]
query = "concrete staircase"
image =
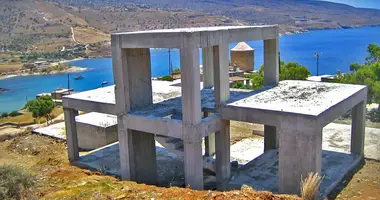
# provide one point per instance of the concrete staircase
(175, 146)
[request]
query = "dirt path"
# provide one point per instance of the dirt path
(73, 35)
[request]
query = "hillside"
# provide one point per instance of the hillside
(290, 14)
(51, 25)
(27, 25)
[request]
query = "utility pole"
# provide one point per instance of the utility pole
(279, 63)
(68, 82)
(317, 55)
(170, 66)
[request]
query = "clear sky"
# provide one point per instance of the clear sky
(360, 3)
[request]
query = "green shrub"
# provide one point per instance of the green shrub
(374, 116)
(15, 183)
(177, 70)
(14, 113)
(3, 115)
(166, 78)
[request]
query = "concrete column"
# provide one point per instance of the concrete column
(208, 82)
(71, 134)
(208, 67)
(191, 114)
(271, 62)
(209, 141)
(271, 77)
(358, 128)
(132, 75)
(300, 152)
(222, 94)
(143, 166)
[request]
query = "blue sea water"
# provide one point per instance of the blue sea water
(339, 49)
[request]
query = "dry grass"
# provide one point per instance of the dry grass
(89, 35)
(8, 67)
(310, 186)
(47, 159)
(241, 130)
(27, 117)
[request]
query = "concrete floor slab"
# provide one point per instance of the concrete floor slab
(262, 172)
(336, 137)
(170, 168)
(56, 131)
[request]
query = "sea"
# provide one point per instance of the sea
(339, 48)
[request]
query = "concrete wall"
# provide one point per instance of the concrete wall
(243, 59)
(93, 137)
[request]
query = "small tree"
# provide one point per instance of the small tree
(4, 115)
(374, 54)
(177, 70)
(293, 71)
(368, 74)
(14, 113)
(41, 106)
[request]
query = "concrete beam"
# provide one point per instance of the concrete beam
(203, 37)
(89, 106)
(342, 107)
(251, 115)
(71, 134)
(155, 125)
(358, 128)
(300, 153)
(191, 113)
(210, 124)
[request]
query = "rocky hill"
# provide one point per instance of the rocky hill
(50, 25)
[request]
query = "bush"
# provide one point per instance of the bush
(177, 70)
(14, 113)
(15, 183)
(3, 115)
(374, 115)
(166, 78)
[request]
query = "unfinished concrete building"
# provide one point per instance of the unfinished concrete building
(294, 112)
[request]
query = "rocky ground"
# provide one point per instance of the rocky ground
(47, 160)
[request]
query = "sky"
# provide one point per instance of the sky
(360, 3)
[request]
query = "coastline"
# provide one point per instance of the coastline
(301, 31)
(72, 69)
(67, 61)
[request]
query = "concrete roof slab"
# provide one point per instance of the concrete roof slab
(299, 97)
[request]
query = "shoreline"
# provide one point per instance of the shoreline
(72, 69)
(326, 29)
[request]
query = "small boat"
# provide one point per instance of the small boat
(79, 77)
(104, 83)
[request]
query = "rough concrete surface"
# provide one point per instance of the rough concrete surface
(301, 97)
(262, 173)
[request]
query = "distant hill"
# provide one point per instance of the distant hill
(48, 25)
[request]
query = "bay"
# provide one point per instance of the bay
(339, 48)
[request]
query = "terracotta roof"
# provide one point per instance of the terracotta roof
(242, 46)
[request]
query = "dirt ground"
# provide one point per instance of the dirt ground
(364, 184)
(47, 160)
